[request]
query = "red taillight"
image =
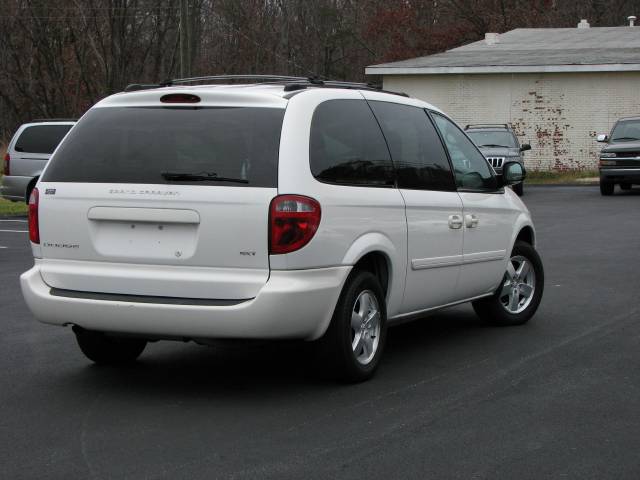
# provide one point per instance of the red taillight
(34, 227)
(7, 164)
(293, 221)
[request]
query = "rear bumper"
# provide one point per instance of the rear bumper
(292, 304)
(622, 175)
(14, 187)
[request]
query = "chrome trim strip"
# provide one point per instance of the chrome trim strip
(149, 215)
(457, 260)
(436, 262)
(484, 256)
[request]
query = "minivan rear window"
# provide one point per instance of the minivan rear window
(41, 138)
(139, 144)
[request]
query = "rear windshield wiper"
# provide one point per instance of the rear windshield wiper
(625, 138)
(200, 177)
(495, 146)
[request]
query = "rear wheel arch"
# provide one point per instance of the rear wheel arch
(368, 251)
(378, 264)
(30, 187)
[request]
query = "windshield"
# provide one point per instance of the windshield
(495, 139)
(139, 144)
(626, 131)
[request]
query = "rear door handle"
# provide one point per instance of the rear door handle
(455, 222)
(471, 221)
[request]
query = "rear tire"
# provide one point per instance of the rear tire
(519, 189)
(520, 292)
(606, 188)
(108, 350)
(352, 346)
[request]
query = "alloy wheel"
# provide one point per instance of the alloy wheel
(365, 327)
(518, 286)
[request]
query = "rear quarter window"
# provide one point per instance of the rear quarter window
(138, 144)
(347, 146)
(41, 138)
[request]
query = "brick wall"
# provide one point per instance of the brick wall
(559, 114)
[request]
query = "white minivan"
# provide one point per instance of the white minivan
(322, 211)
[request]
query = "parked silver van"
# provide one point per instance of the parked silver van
(27, 154)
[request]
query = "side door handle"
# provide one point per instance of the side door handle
(471, 221)
(455, 222)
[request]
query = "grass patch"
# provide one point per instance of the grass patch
(7, 207)
(570, 176)
(12, 208)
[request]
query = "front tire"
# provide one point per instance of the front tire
(606, 188)
(520, 292)
(353, 344)
(108, 350)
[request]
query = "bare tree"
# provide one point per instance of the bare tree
(59, 57)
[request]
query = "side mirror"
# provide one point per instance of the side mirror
(524, 147)
(603, 137)
(512, 173)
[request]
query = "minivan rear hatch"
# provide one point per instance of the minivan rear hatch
(168, 201)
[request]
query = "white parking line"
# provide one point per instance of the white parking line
(15, 231)
(3, 247)
(19, 221)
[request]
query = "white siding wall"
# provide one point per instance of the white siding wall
(559, 114)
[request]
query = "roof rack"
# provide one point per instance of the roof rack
(486, 125)
(259, 78)
(179, 81)
(290, 83)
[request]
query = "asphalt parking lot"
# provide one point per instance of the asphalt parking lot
(556, 398)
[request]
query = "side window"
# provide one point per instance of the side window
(41, 138)
(416, 149)
(347, 147)
(470, 167)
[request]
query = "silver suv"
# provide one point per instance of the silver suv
(294, 209)
(27, 154)
(499, 144)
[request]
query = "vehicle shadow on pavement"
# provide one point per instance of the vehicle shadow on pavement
(271, 366)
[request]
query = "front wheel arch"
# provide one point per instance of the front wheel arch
(527, 235)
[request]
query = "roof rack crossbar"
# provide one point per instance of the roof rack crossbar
(486, 125)
(297, 86)
(266, 78)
